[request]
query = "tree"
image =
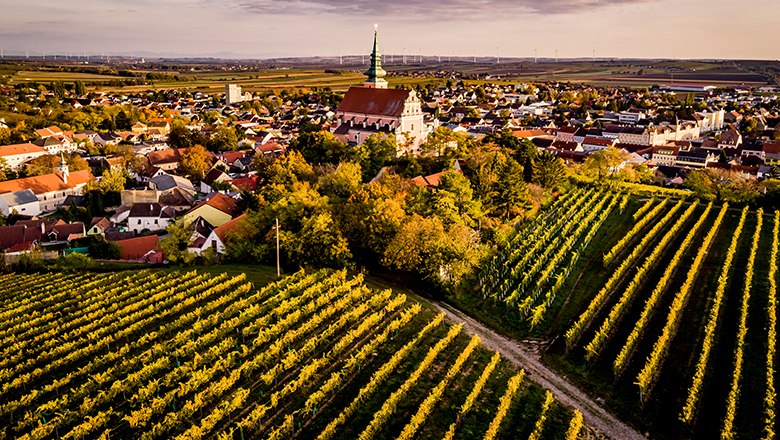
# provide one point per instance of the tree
(174, 246)
(288, 169)
(548, 171)
(371, 217)
(317, 146)
(102, 249)
(43, 165)
(79, 88)
(180, 136)
(723, 185)
(443, 142)
(195, 162)
(375, 152)
(318, 242)
(223, 138)
(511, 190)
(342, 182)
(454, 200)
(113, 180)
(122, 121)
(605, 165)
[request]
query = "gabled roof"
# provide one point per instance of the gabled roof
(101, 222)
(221, 202)
(170, 155)
(46, 183)
(152, 210)
(16, 234)
(231, 226)
(19, 197)
(248, 183)
(62, 232)
(165, 182)
(371, 101)
(26, 148)
(137, 248)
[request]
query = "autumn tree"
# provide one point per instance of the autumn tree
(342, 182)
(195, 162)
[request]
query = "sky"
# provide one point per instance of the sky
(680, 29)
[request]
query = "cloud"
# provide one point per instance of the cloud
(426, 8)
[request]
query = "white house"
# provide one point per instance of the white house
(22, 202)
(150, 216)
(17, 155)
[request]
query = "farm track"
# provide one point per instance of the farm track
(523, 355)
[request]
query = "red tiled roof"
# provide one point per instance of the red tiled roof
(46, 183)
(26, 148)
(220, 202)
(136, 248)
(370, 101)
(171, 155)
(248, 183)
(231, 226)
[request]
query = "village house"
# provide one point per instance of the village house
(217, 210)
(17, 155)
(150, 217)
(50, 189)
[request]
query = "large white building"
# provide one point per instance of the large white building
(374, 108)
(50, 189)
(233, 94)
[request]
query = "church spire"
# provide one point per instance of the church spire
(375, 73)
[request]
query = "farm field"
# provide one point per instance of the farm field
(668, 312)
(167, 354)
(308, 73)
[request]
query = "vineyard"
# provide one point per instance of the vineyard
(664, 308)
(161, 354)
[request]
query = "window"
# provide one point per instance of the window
(139, 221)
(155, 221)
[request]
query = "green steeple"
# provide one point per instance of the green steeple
(375, 73)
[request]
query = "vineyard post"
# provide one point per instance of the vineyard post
(278, 270)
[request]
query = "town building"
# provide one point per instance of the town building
(19, 154)
(233, 94)
(373, 108)
(50, 189)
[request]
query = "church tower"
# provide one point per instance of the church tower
(375, 73)
(63, 168)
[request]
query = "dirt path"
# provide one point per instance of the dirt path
(593, 414)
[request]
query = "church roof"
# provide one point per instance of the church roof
(370, 101)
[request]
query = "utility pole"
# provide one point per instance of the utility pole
(278, 266)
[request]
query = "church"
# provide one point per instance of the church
(374, 108)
